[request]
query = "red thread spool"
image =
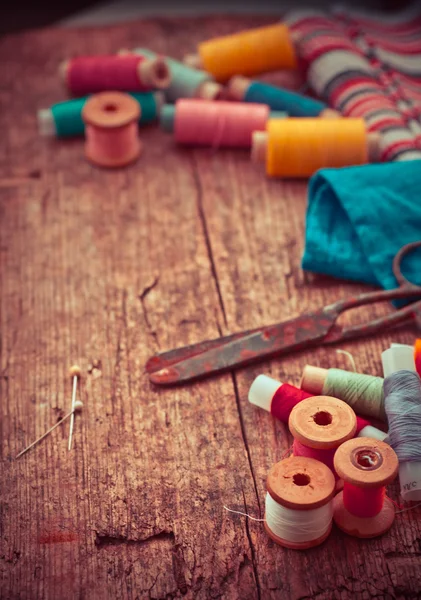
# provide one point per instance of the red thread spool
(280, 398)
(111, 129)
(218, 124)
(362, 509)
(127, 73)
(319, 425)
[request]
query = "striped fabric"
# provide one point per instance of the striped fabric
(366, 67)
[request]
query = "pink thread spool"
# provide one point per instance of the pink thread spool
(319, 425)
(126, 73)
(216, 124)
(111, 129)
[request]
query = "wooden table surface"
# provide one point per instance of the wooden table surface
(103, 269)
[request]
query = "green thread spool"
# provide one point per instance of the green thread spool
(363, 392)
(64, 119)
(185, 81)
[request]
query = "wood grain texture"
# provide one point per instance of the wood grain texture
(103, 269)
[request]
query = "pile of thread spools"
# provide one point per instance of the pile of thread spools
(209, 100)
(341, 464)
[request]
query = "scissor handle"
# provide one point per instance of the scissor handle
(405, 291)
(397, 261)
(340, 334)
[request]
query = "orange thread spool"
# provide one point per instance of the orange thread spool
(248, 52)
(111, 120)
(366, 466)
(417, 356)
(299, 147)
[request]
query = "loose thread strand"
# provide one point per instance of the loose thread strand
(238, 512)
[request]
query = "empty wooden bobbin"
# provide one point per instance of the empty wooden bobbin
(111, 120)
(369, 465)
(322, 422)
(301, 484)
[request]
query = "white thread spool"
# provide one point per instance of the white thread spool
(397, 358)
(299, 502)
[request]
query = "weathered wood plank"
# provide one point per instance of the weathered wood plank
(106, 268)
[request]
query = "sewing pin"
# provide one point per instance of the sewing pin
(74, 374)
(76, 407)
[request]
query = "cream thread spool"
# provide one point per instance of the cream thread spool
(366, 466)
(397, 358)
(298, 503)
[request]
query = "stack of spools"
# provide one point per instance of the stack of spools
(211, 101)
(340, 466)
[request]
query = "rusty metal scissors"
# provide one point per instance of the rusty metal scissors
(313, 328)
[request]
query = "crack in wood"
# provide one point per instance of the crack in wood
(253, 554)
(142, 297)
(202, 217)
(244, 436)
(103, 539)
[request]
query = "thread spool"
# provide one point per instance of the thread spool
(296, 105)
(402, 391)
(280, 398)
(248, 53)
(216, 124)
(112, 138)
(64, 119)
(299, 503)
(398, 357)
(186, 82)
(362, 509)
(417, 356)
(363, 392)
(319, 425)
(126, 73)
(299, 147)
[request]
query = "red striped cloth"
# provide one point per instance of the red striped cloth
(366, 67)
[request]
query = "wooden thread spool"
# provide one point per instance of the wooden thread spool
(126, 72)
(111, 128)
(319, 425)
(366, 466)
(298, 503)
(249, 53)
(299, 147)
(280, 398)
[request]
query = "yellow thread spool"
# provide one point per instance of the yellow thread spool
(299, 147)
(248, 52)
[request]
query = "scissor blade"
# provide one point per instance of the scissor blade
(166, 359)
(290, 335)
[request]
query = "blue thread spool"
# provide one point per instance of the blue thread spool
(64, 119)
(185, 81)
(280, 99)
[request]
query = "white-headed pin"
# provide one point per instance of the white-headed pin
(75, 373)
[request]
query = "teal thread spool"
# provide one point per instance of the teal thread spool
(64, 119)
(364, 393)
(185, 81)
(280, 99)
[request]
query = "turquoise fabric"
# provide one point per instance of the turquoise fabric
(359, 217)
